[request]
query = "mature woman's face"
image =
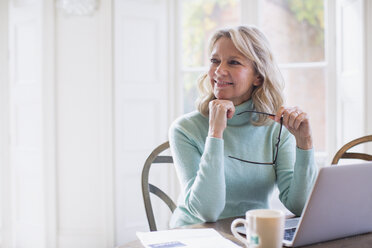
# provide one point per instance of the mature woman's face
(231, 73)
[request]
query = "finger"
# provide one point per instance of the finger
(216, 105)
(279, 113)
(226, 106)
(221, 109)
(211, 105)
(292, 118)
(296, 113)
(300, 119)
(286, 114)
(230, 111)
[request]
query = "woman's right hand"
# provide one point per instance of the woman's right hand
(219, 112)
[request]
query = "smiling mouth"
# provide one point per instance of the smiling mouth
(222, 83)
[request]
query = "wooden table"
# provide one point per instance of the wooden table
(223, 227)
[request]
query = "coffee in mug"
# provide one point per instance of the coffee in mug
(264, 228)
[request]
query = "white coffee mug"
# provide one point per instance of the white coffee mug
(264, 228)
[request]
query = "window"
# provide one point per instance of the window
(200, 18)
(296, 31)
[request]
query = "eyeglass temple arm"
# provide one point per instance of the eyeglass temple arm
(277, 144)
(280, 132)
(247, 161)
(253, 111)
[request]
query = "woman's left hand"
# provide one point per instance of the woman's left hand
(297, 122)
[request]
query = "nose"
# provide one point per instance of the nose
(221, 70)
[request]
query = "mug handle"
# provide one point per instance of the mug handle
(236, 234)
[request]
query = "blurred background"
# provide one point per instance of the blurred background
(88, 88)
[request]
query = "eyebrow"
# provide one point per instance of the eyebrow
(232, 57)
(236, 57)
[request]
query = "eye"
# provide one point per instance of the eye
(234, 62)
(214, 61)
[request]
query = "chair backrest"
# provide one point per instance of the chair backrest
(155, 158)
(342, 153)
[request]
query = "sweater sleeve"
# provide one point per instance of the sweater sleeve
(201, 174)
(296, 173)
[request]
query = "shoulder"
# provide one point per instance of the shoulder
(190, 120)
(190, 124)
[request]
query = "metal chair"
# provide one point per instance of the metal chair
(342, 153)
(155, 158)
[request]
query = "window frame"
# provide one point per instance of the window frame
(250, 15)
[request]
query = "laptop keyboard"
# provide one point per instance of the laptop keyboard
(290, 228)
(289, 233)
(290, 223)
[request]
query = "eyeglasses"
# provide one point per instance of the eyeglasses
(276, 145)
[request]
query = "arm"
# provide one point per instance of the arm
(201, 175)
(296, 173)
(201, 169)
(296, 169)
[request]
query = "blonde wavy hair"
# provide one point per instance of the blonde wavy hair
(252, 43)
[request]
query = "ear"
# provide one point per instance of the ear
(258, 81)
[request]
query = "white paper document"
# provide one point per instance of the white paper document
(201, 238)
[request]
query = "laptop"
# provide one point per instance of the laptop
(339, 205)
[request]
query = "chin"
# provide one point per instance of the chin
(222, 96)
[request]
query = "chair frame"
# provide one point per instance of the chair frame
(155, 158)
(342, 153)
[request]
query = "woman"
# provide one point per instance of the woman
(227, 156)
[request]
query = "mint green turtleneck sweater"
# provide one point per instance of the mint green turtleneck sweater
(214, 186)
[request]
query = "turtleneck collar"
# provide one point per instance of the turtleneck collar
(242, 119)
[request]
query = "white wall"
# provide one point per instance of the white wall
(368, 66)
(60, 176)
(5, 220)
(350, 71)
(83, 105)
(143, 87)
(26, 126)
